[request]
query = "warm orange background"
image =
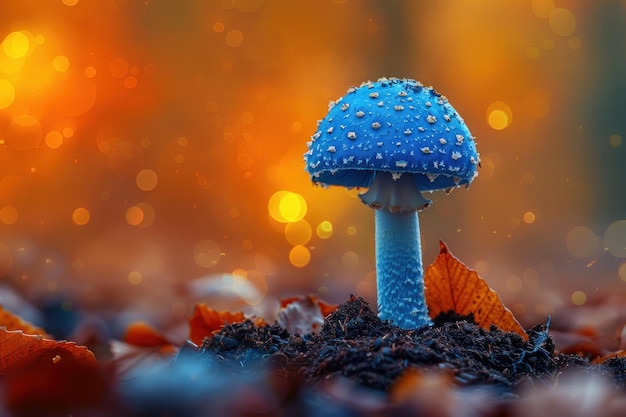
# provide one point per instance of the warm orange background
(147, 144)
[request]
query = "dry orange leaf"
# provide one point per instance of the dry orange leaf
(206, 321)
(20, 352)
(452, 287)
(12, 322)
(144, 335)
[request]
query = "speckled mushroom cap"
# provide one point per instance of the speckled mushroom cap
(394, 125)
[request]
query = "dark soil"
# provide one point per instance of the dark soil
(353, 364)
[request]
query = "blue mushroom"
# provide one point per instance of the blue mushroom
(397, 138)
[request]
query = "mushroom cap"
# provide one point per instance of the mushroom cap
(394, 125)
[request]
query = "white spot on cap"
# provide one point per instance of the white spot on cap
(395, 175)
(446, 118)
(442, 141)
(426, 150)
(402, 93)
(459, 140)
(360, 114)
(408, 132)
(456, 155)
(379, 143)
(330, 130)
(345, 106)
(380, 103)
(331, 149)
(431, 119)
(421, 129)
(473, 160)
(401, 164)
(352, 135)
(398, 108)
(379, 156)
(374, 95)
(428, 104)
(375, 125)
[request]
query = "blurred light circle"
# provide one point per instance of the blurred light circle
(298, 233)
(499, 115)
(147, 180)
(350, 259)
(582, 242)
(54, 139)
(286, 206)
(61, 63)
(81, 216)
(118, 67)
(8, 215)
(207, 253)
(134, 215)
(615, 238)
(324, 230)
(234, 38)
(24, 133)
(562, 22)
(16, 45)
(579, 298)
(148, 214)
(542, 8)
(135, 277)
(299, 256)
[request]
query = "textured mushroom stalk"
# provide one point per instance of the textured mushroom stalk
(399, 270)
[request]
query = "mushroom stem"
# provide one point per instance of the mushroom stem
(400, 275)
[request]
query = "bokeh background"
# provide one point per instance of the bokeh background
(151, 151)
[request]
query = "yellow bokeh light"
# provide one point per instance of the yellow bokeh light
(542, 8)
(81, 216)
(562, 22)
(16, 45)
(299, 256)
(7, 94)
(147, 180)
(54, 139)
(324, 230)
(499, 115)
(134, 215)
(529, 217)
(61, 63)
(8, 215)
(135, 278)
(286, 206)
(218, 27)
(579, 298)
(351, 230)
(298, 233)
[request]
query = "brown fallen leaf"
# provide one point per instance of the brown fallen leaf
(141, 334)
(452, 287)
(19, 351)
(45, 375)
